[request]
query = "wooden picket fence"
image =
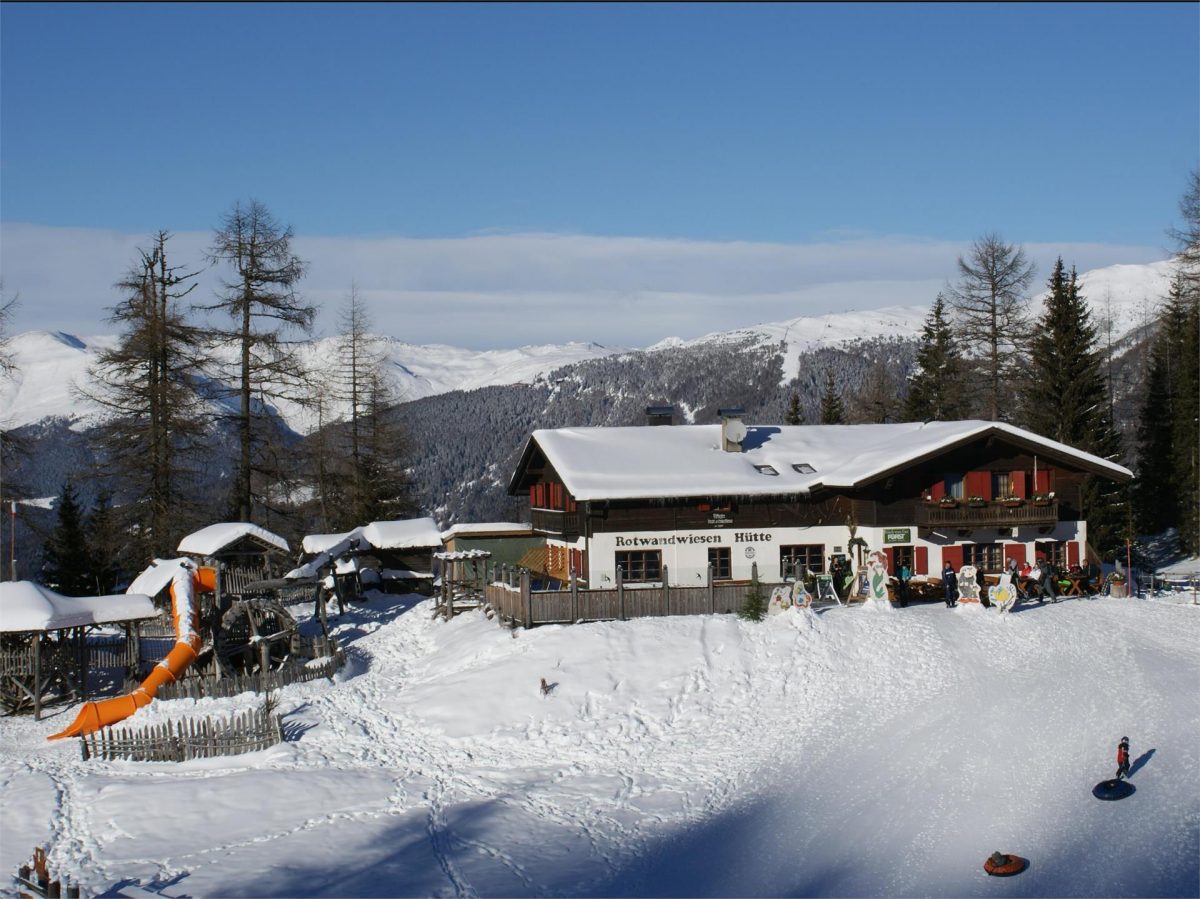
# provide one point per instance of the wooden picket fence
(260, 682)
(179, 741)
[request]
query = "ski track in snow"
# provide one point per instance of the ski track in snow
(860, 751)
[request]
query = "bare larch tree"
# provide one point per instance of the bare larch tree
(260, 297)
(991, 318)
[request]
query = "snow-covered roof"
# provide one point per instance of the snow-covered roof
(319, 543)
(649, 462)
(486, 527)
(215, 537)
(26, 606)
(157, 577)
(412, 533)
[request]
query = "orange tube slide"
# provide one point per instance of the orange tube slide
(186, 611)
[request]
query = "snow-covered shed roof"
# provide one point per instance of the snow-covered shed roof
(412, 533)
(157, 576)
(319, 543)
(26, 606)
(488, 528)
(687, 460)
(212, 539)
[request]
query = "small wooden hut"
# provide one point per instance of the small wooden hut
(50, 642)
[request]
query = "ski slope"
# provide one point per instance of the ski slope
(848, 753)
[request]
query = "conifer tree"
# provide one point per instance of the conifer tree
(156, 429)
(106, 546)
(1066, 399)
(67, 563)
(833, 411)
(1156, 495)
(794, 414)
(989, 305)
(937, 389)
(261, 299)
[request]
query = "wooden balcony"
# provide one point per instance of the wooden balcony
(991, 514)
(555, 523)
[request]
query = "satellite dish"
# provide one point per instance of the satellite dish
(735, 431)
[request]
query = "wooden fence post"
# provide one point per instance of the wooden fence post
(712, 592)
(620, 594)
(574, 597)
(666, 573)
(527, 597)
(37, 676)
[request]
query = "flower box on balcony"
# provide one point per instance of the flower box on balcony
(1010, 502)
(1042, 499)
(948, 502)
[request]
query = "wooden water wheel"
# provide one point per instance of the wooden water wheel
(255, 636)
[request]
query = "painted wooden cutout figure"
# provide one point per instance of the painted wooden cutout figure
(801, 598)
(780, 601)
(877, 576)
(968, 589)
(1004, 595)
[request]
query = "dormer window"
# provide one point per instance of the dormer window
(766, 469)
(803, 468)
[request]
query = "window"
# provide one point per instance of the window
(640, 565)
(795, 560)
(803, 468)
(1002, 484)
(954, 484)
(902, 555)
(766, 469)
(984, 556)
(1054, 551)
(720, 562)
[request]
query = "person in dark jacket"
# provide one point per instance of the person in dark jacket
(950, 585)
(1123, 758)
(1045, 581)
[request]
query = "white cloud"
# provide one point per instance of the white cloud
(501, 290)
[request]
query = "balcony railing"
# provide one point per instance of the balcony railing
(566, 525)
(989, 514)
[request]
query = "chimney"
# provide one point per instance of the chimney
(660, 415)
(733, 431)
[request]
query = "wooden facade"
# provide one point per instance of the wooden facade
(982, 502)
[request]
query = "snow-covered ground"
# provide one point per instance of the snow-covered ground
(855, 752)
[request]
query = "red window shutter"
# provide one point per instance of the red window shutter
(1015, 551)
(1041, 481)
(1072, 553)
(533, 494)
(938, 490)
(554, 496)
(921, 560)
(953, 555)
(891, 557)
(571, 507)
(1018, 484)
(979, 483)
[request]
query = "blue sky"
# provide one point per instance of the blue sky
(1072, 124)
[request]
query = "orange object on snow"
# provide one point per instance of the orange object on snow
(1002, 865)
(185, 585)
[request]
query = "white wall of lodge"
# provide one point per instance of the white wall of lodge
(685, 554)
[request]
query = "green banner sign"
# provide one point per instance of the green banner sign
(897, 535)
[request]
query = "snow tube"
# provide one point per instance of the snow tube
(1112, 790)
(1001, 864)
